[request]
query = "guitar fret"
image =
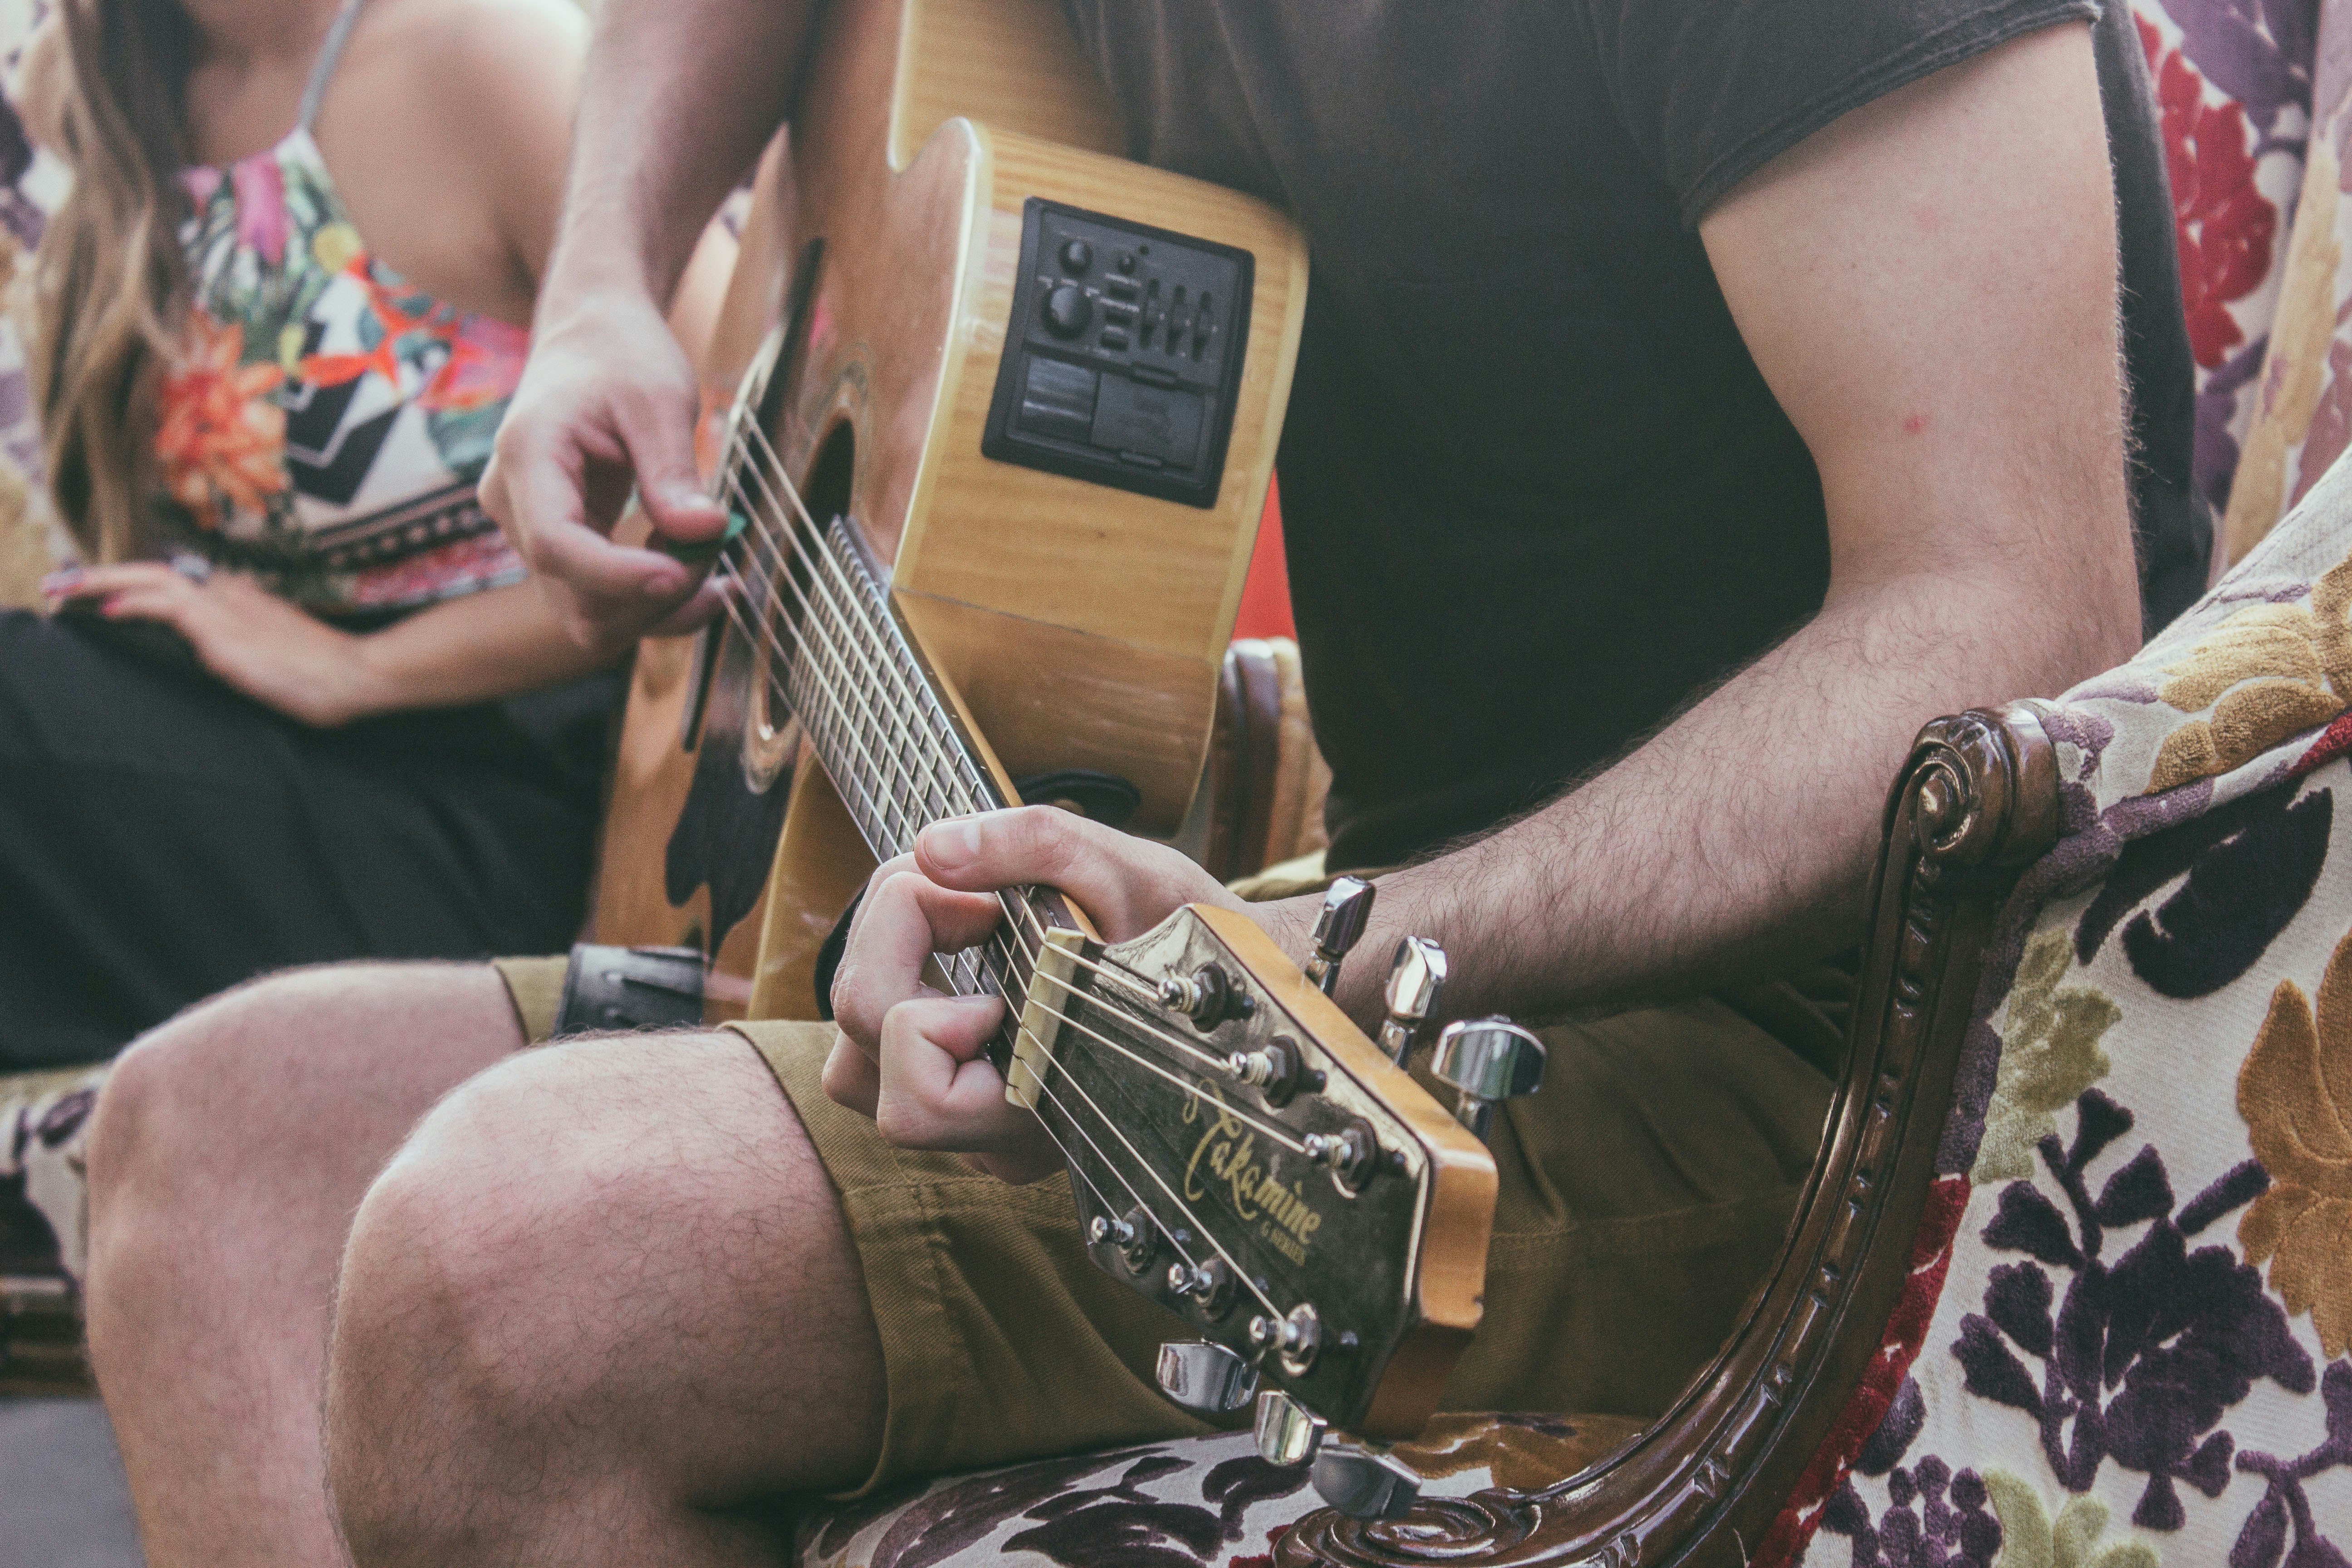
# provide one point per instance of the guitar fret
(898, 763)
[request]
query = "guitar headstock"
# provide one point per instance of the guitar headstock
(1242, 1154)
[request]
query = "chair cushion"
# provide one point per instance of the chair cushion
(1209, 1501)
(2128, 1333)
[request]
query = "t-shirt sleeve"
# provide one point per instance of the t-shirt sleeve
(1711, 89)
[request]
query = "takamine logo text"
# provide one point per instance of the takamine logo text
(1226, 1156)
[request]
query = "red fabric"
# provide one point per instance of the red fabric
(2333, 742)
(1265, 591)
(1906, 1327)
(2225, 227)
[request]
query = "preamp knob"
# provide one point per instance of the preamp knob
(1067, 310)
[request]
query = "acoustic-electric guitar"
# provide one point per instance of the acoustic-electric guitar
(1005, 417)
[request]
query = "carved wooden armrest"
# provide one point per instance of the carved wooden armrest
(1976, 803)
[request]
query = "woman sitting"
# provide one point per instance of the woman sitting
(304, 703)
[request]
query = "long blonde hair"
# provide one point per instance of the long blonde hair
(110, 278)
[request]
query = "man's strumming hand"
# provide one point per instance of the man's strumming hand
(607, 401)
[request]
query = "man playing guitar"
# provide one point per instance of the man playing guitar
(1694, 399)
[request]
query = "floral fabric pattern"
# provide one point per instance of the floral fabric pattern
(2140, 1350)
(328, 423)
(2232, 81)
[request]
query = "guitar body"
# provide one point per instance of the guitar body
(942, 154)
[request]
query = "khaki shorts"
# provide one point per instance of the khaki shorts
(1644, 1191)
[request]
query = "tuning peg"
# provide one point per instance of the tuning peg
(1347, 905)
(1287, 1432)
(1204, 1378)
(1362, 1484)
(1485, 1060)
(1416, 978)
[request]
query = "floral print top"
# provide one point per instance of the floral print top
(328, 422)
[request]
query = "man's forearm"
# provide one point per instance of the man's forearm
(680, 97)
(1738, 841)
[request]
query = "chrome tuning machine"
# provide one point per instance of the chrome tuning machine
(1358, 1482)
(1204, 1378)
(1416, 980)
(1338, 925)
(1484, 1061)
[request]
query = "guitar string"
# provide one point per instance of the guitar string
(811, 671)
(1100, 1196)
(811, 668)
(782, 571)
(1161, 1182)
(936, 730)
(1174, 1042)
(1017, 907)
(754, 441)
(816, 676)
(904, 746)
(1076, 1122)
(882, 823)
(1170, 1040)
(896, 801)
(959, 792)
(1110, 1164)
(1271, 1131)
(900, 674)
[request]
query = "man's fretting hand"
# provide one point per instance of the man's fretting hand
(912, 1057)
(607, 401)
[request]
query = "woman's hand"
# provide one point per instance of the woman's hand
(251, 640)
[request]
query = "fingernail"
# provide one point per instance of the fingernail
(59, 581)
(663, 586)
(685, 498)
(953, 844)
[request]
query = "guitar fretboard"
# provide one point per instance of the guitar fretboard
(890, 744)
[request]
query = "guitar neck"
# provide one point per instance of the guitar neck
(898, 754)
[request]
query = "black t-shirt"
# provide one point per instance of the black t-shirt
(1535, 493)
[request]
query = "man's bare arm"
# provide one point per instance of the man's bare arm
(679, 99)
(1928, 286)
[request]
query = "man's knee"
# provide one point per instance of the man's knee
(278, 1069)
(501, 1270)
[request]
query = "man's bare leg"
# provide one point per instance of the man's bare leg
(230, 1150)
(601, 1308)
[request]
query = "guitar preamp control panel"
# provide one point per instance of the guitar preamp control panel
(1124, 354)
